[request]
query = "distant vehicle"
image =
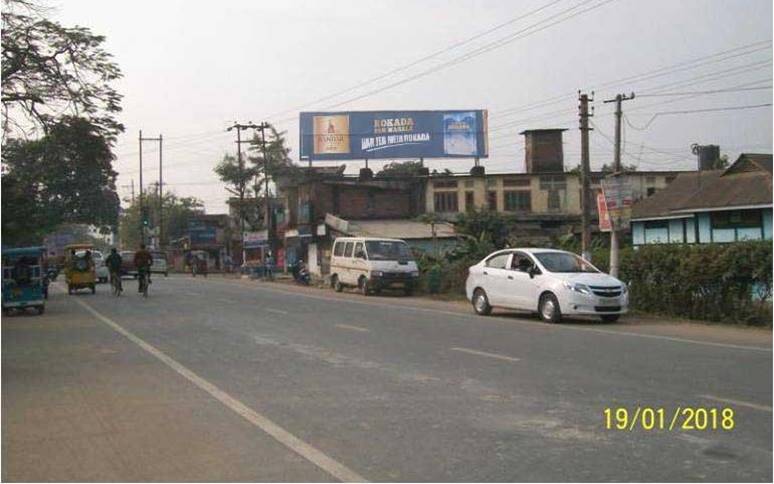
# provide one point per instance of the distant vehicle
(23, 279)
(103, 274)
(373, 264)
(159, 265)
(127, 264)
(553, 283)
(79, 270)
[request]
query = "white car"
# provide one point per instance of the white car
(551, 282)
(99, 266)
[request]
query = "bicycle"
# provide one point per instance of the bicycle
(115, 283)
(142, 278)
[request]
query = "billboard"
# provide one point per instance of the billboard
(201, 234)
(358, 135)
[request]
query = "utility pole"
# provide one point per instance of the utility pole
(132, 191)
(239, 128)
(142, 206)
(267, 216)
(161, 197)
(585, 174)
(614, 236)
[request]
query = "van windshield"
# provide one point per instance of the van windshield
(387, 250)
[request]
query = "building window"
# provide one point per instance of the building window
(554, 200)
(650, 191)
(445, 184)
(469, 207)
(518, 201)
(553, 182)
(516, 182)
(491, 200)
(445, 202)
(736, 219)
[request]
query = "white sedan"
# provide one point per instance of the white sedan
(553, 283)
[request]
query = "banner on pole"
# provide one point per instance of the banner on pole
(618, 199)
(604, 217)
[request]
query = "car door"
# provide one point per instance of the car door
(359, 262)
(494, 276)
(521, 291)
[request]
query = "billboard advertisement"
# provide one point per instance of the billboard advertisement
(358, 135)
(201, 234)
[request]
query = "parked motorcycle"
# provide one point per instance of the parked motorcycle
(301, 274)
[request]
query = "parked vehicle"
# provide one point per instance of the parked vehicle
(127, 264)
(23, 279)
(300, 273)
(373, 264)
(551, 282)
(103, 274)
(159, 265)
(197, 260)
(80, 272)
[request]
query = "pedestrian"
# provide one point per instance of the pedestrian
(269, 267)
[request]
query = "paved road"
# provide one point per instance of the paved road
(238, 380)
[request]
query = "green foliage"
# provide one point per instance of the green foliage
(64, 177)
(714, 282)
(278, 161)
(402, 169)
(177, 212)
(485, 226)
(50, 71)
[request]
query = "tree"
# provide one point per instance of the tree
(50, 71)
(64, 177)
(403, 169)
(278, 161)
(177, 213)
(237, 179)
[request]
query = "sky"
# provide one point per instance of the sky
(192, 68)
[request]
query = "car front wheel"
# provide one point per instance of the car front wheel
(549, 309)
(481, 303)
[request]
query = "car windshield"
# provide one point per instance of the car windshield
(564, 262)
(387, 250)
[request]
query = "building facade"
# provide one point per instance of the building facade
(710, 206)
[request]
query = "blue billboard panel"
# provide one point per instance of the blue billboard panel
(200, 233)
(357, 135)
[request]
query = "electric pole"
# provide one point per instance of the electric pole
(142, 206)
(267, 216)
(161, 198)
(583, 112)
(241, 188)
(614, 236)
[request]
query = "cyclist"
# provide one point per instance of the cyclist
(113, 263)
(142, 262)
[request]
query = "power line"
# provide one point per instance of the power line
(715, 91)
(692, 111)
(420, 60)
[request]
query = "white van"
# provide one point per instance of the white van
(372, 264)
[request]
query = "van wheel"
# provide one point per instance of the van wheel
(336, 283)
(481, 303)
(549, 309)
(365, 290)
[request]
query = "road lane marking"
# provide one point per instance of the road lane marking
(468, 317)
(227, 301)
(740, 403)
(276, 311)
(353, 328)
(193, 294)
(484, 353)
(308, 452)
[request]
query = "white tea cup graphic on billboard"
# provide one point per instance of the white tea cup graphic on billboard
(331, 134)
(459, 134)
